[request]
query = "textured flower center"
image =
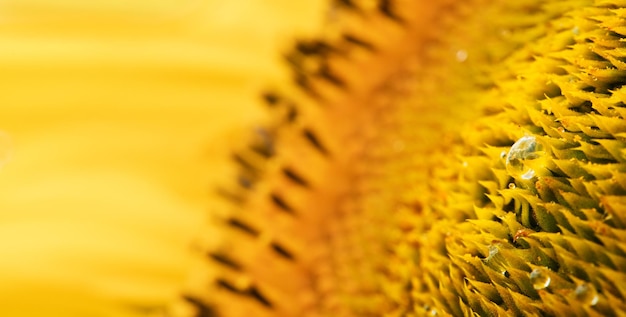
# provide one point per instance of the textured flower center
(386, 192)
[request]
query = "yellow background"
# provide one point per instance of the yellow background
(119, 115)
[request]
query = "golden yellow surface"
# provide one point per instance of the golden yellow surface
(119, 115)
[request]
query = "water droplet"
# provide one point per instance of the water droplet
(539, 278)
(432, 311)
(502, 154)
(461, 56)
(6, 148)
(524, 156)
(576, 30)
(512, 186)
(587, 294)
(506, 273)
(493, 250)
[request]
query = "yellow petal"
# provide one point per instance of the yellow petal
(116, 111)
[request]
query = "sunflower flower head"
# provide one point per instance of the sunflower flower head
(435, 158)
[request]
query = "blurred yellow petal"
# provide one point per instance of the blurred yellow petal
(115, 111)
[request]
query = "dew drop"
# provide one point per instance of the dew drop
(461, 56)
(493, 251)
(539, 278)
(524, 156)
(512, 186)
(502, 154)
(586, 294)
(430, 311)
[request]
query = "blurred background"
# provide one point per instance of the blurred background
(115, 117)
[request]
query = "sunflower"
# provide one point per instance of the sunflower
(438, 158)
